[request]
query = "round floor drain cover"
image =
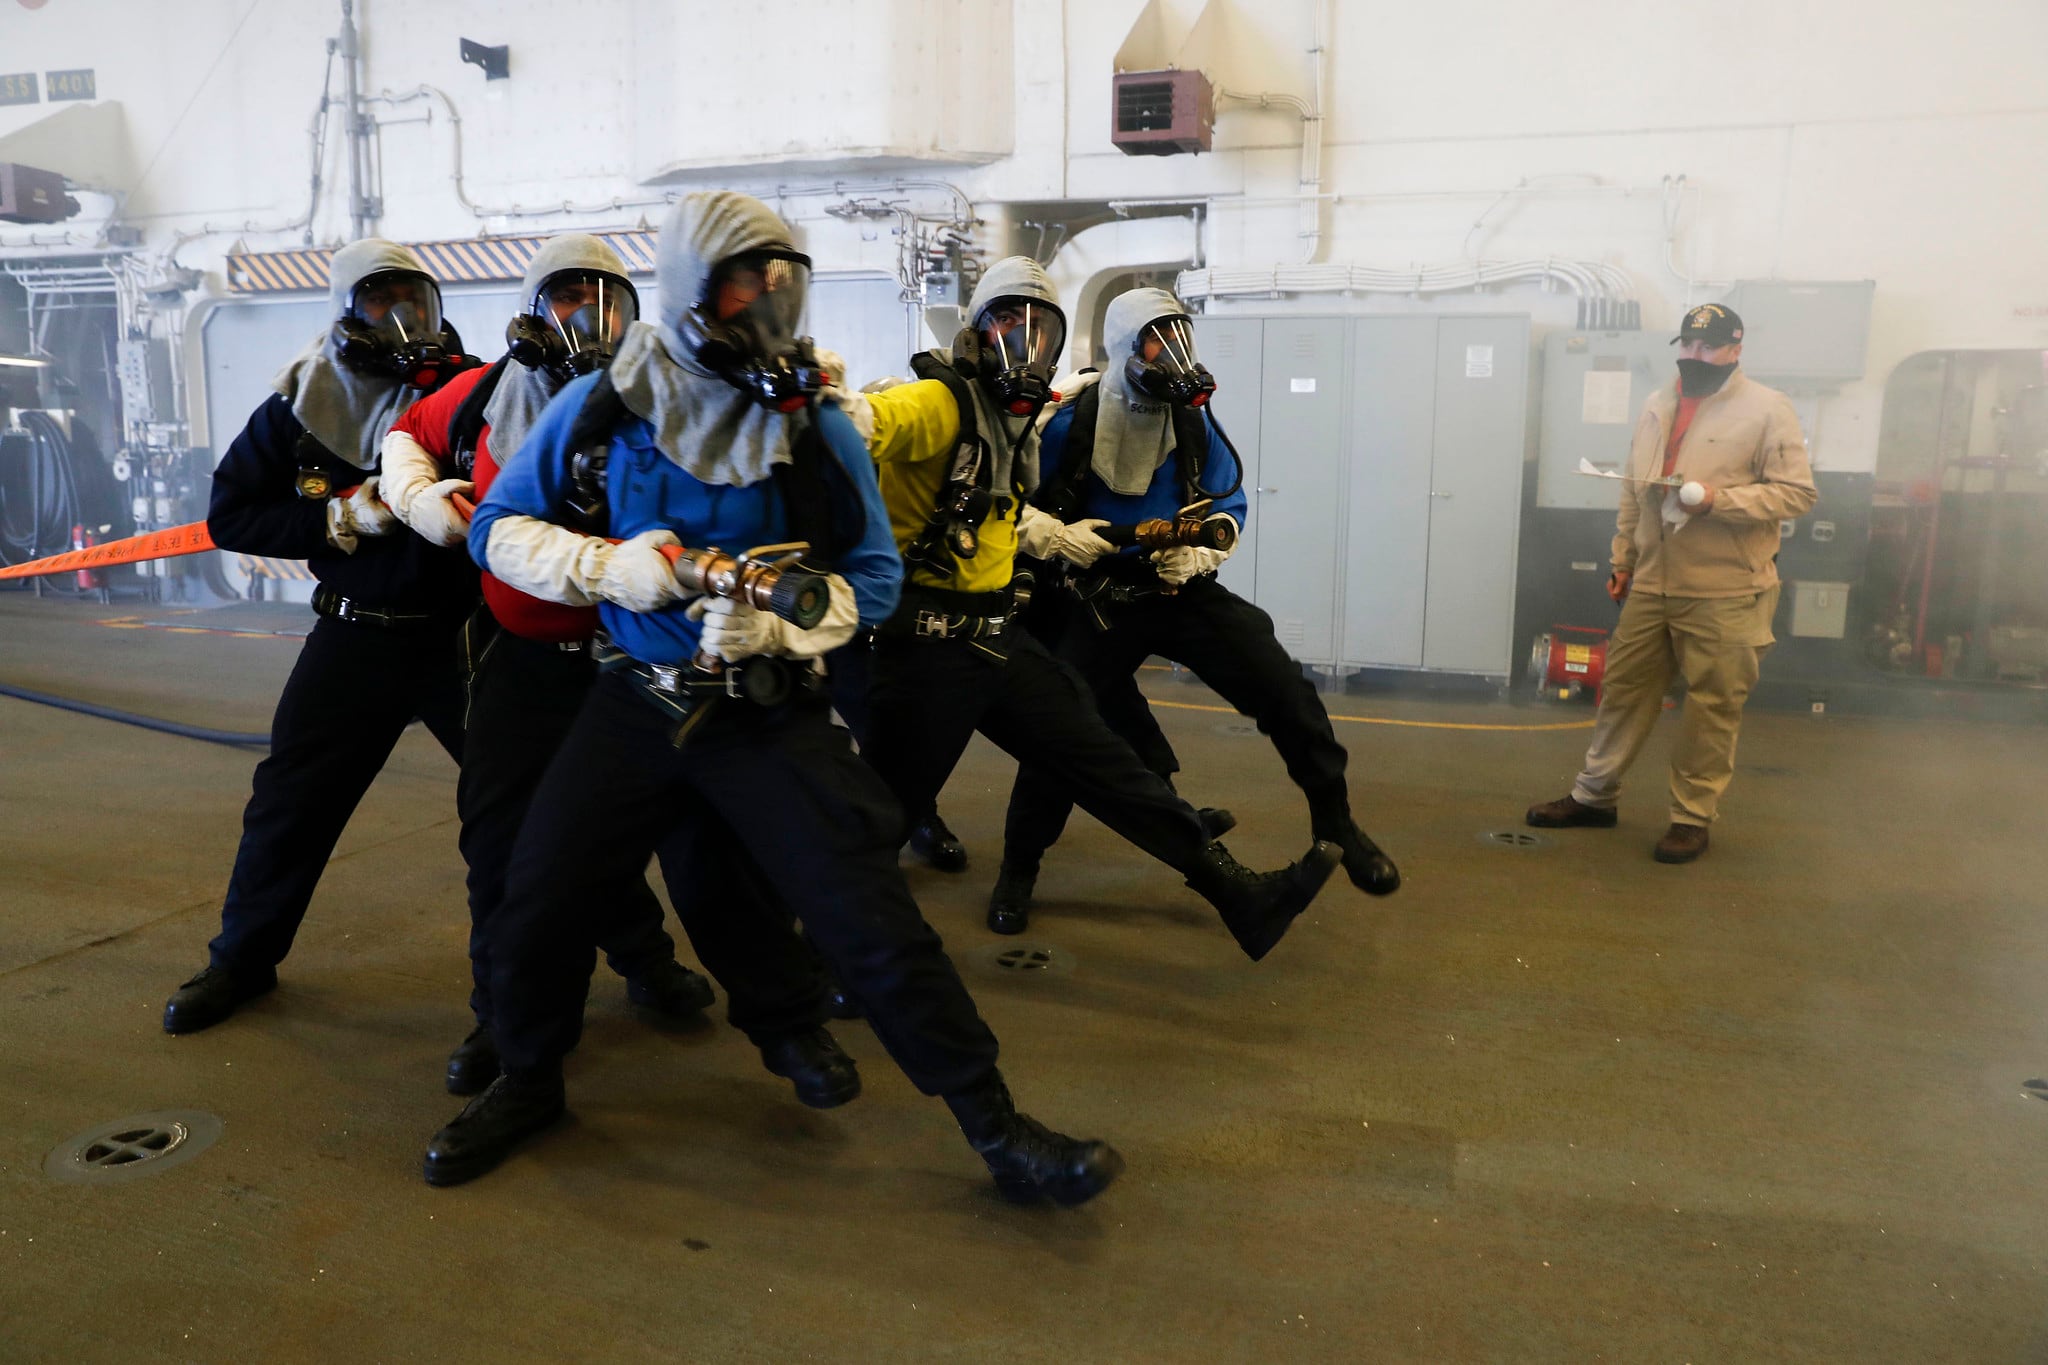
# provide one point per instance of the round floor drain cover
(139, 1145)
(1026, 961)
(1514, 838)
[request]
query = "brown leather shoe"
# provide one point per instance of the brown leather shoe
(1681, 844)
(1565, 813)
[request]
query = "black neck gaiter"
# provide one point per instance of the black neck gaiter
(1698, 379)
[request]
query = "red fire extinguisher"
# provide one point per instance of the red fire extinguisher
(81, 539)
(1570, 661)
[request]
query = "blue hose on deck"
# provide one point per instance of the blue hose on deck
(169, 727)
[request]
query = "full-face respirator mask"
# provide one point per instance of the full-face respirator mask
(573, 323)
(393, 329)
(744, 328)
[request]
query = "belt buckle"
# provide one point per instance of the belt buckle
(666, 678)
(344, 609)
(930, 623)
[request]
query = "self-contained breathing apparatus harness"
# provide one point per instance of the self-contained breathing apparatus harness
(466, 428)
(966, 497)
(965, 500)
(805, 486)
(1112, 581)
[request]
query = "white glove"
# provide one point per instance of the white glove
(856, 406)
(1044, 536)
(1178, 563)
(435, 516)
(638, 576)
(735, 631)
(407, 470)
(361, 513)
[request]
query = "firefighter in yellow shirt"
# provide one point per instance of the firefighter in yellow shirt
(958, 458)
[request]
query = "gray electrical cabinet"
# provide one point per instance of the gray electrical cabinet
(1594, 385)
(1232, 348)
(1816, 331)
(1384, 478)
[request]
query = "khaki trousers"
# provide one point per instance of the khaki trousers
(1717, 644)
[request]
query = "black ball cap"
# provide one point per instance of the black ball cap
(1711, 323)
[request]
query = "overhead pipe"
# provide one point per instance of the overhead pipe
(349, 48)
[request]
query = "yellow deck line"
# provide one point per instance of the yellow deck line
(1384, 720)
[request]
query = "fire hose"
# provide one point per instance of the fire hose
(1190, 526)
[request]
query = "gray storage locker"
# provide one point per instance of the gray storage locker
(1386, 483)
(1233, 348)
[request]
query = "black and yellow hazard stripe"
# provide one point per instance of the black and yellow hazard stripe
(474, 260)
(289, 570)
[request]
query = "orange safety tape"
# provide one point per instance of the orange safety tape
(190, 539)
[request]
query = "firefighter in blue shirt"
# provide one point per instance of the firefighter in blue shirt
(1132, 448)
(707, 724)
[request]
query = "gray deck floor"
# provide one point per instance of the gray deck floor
(1554, 1104)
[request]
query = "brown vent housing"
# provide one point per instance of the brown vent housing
(28, 195)
(1161, 113)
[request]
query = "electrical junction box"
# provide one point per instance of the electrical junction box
(144, 367)
(1594, 386)
(1812, 330)
(1820, 611)
(1162, 113)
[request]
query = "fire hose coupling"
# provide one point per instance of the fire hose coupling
(1192, 525)
(766, 578)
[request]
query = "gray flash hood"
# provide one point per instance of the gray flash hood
(716, 433)
(516, 403)
(347, 412)
(1133, 433)
(1011, 277)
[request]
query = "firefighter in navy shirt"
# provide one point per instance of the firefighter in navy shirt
(301, 482)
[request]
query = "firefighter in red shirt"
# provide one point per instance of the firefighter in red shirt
(529, 665)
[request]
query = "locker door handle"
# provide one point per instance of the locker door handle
(1434, 494)
(1265, 490)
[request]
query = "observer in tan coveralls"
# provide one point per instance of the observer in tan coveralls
(1699, 576)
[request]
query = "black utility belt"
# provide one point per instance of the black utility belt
(942, 614)
(1095, 588)
(328, 602)
(765, 680)
(925, 624)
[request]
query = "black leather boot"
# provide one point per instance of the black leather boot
(490, 1126)
(473, 1065)
(215, 994)
(1216, 822)
(1009, 904)
(824, 1076)
(936, 846)
(1368, 866)
(672, 991)
(1029, 1161)
(1258, 907)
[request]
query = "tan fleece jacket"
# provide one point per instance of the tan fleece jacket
(1745, 444)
